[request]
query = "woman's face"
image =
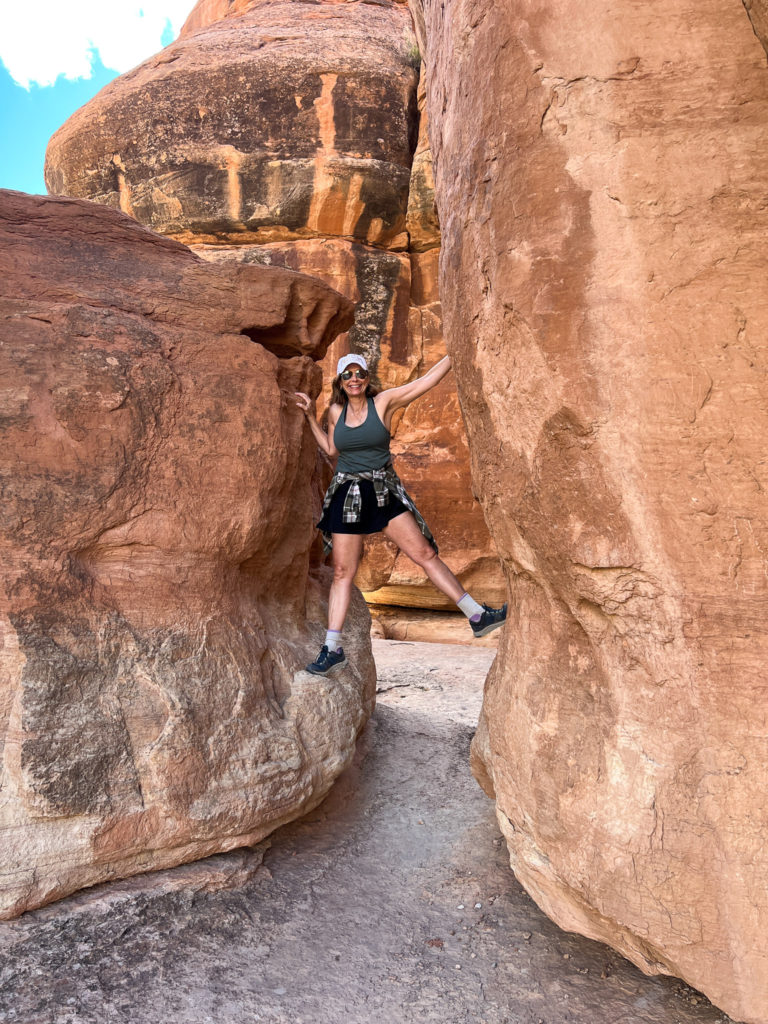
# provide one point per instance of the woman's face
(355, 385)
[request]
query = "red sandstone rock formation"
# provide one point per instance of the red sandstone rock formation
(601, 175)
(284, 134)
(288, 121)
(155, 605)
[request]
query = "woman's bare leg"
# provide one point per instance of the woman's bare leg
(405, 532)
(347, 549)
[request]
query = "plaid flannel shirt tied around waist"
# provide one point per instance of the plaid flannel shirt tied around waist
(385, 482)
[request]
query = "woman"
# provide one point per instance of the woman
(366, 496)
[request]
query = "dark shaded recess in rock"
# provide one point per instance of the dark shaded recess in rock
(272, 339)
(281, 340)
(414, 120)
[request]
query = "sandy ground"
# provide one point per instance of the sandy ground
(393, 902)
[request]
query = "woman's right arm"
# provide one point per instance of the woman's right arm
(324, 441)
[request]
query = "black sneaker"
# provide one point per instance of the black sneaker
(327, 661)
(491, 619)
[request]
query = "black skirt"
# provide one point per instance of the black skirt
(373, 517)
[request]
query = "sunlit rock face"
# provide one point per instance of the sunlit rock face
(295, 135)
(157, 596)
(601, 177)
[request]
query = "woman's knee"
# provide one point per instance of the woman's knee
(344, 572)
(347, 550)
(423, 556)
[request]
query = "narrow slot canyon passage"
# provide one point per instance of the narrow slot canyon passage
(392, 902)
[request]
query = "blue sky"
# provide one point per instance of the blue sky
(55, 56)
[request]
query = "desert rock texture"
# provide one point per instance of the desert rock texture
(292, 134)
(157, 597)
(601, 178)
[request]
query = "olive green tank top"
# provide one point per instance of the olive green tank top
(361, 448)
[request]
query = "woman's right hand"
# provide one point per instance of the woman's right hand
(304, 402)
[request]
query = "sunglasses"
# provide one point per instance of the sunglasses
(349, 374)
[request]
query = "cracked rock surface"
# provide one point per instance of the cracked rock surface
(391, 902)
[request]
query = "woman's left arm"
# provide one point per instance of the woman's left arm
(397, 398)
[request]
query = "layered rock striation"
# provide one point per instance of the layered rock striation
(157, 596)
(290, 135)
(601, 177)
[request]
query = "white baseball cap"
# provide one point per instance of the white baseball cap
(349, 360)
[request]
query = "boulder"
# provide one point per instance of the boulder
(157, 597)
(288, 121)
(601, 180)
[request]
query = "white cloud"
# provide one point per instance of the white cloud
(43, 39)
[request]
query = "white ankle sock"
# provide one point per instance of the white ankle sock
(333, 639)
(470, 607)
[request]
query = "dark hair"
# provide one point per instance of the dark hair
(339, 395)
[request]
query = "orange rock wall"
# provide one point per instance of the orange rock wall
(289, 135)
(601, 176)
